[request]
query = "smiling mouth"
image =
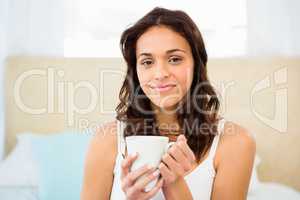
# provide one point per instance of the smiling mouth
(164, 88)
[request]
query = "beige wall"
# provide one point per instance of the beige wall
(280, 152)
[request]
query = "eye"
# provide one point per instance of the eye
(146, 62)
(175, 60)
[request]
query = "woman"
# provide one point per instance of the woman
(167, 92)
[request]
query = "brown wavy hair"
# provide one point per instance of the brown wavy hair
(198, 118)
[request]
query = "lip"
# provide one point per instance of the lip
(163, 88)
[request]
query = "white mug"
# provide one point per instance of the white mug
(150, 149)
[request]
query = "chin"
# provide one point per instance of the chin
(169, 105)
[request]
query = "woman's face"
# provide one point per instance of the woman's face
(165, 66)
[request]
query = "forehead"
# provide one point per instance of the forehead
(159, 39)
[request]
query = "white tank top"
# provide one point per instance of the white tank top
(200, 180)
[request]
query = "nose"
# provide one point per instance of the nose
(161, 72)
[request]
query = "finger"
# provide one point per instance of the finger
(134, 175)
(139, 172)
(165, 172)
(144, 181)
(174, 166)
(154, 190)
(126, 164)
(187, 150)
(176, 152)
(181, 138)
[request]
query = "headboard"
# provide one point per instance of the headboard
(50, 94)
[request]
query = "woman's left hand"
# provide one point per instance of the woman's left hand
(178, 160)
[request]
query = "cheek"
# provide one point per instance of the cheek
(185, 78)
(143, 78)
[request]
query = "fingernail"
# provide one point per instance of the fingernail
(149, 167)
(156, 172)
(134, 154)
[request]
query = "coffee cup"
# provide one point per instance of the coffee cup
(150, 150)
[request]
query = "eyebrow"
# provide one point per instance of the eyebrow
(168, 52)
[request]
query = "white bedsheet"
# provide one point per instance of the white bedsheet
(273, 191)
(18, 193)
(264, 191)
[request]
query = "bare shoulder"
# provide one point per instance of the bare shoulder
(234, 161)
(234, 132)
(104, 142)
(237, 141)
(99, 163)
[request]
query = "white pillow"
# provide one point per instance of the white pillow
(19, 167)
(19, 193)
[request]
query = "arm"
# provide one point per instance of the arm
(179, 190)
(236, 153)
(98, 173)
(175, 164)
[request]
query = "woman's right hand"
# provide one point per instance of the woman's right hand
(134, 182)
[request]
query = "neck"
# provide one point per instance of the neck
(166, 119)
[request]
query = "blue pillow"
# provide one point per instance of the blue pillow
(60, 158)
